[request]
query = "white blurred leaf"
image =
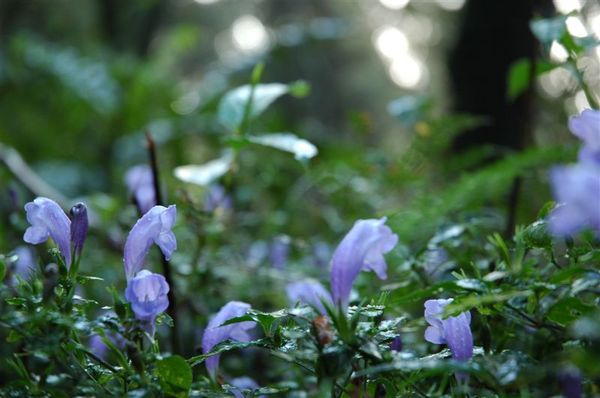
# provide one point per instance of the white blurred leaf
(232, 105)
(301, 148)
(204, 174)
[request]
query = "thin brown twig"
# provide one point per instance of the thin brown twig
(166, 266)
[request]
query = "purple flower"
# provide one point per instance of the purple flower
(361, 249)
(79, 226)
(396, 344)
(434, 258)
(147, 293)
(216, 198)
(577, 189)
(47, 219)
(140, 183)
(570, 382)
(309, 292)
(454, 331)
(154, 227)
(215, 333)
(243, 383)
(321, 253)
(586, 127)
(279, 251)
(98, 348)
(24, 265)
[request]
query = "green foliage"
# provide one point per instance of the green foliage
(79, 115)
(174, 375)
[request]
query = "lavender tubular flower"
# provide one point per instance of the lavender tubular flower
(79, 226)
(279, 251)
(586, 127)
(217, 198)
(454, 331)
(396, 344)
(147, 293)
(154, 227)
(47, 219)
(577, 189)
(309, 292)
(140, 183)
(361, 249)
(216, 333)
(243, 383)
(24, 265)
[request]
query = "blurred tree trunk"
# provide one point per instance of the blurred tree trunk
(494, 34)
(131, 25)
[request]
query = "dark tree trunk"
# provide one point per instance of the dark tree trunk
(494, 34)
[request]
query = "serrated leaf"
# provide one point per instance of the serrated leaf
(536, 235)
(224, 346)
(233, 104)
(174, 375)
(265, 319)
(204, 174)
(568, 310)
(302, 149)
(466, 303)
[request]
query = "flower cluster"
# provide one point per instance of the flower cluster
(146, 291)
(362, 249)
(48, 220)
(577, 187)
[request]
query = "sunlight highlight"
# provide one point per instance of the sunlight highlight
(576, 27)
(394, 4)
(567, 6)
(451, 5)
(249, 34)
(406, 71)
(391, 42)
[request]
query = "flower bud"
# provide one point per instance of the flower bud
(79, 226)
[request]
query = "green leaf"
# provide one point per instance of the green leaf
(302, 149)
(409, 294)
(518, 78)
(231, 108)
(546, 209)
(299, 89)
(227, 345)
(267, 320)
(468, 302)
(568, 310)
(2, 269)
(204, 174)
(174, 375)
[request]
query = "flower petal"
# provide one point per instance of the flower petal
(153, 227)
(458, 336)
(361, 249)
(215, 331)
(47, 219)
(309, 292)
(434, 335)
